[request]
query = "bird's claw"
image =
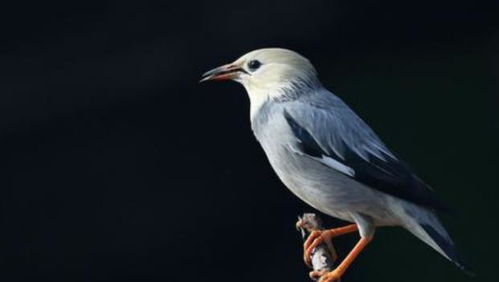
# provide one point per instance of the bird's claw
(316, 275)
(308, 247)
(316, 238)
(332, 276)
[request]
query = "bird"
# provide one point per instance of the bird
(330, 158)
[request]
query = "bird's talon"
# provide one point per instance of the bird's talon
(332, 276)
(315, 239)
(309, 246)
(316, 275)
(311, 238)
(307, 259)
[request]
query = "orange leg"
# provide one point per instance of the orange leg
(324, 236)
(336, 274)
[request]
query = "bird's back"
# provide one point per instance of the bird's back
(325, 189)
(317, 129)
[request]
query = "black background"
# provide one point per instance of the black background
(116, 165)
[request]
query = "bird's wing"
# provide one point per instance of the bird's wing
(327, 130)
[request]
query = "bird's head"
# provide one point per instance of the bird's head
(267, 73)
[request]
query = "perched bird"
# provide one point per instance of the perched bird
(330, 158)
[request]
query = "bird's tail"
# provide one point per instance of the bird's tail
(428, 228)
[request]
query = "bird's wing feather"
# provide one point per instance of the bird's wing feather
(330, 132)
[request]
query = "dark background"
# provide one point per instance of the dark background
(116, 165)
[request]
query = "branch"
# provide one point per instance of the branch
(322, 258)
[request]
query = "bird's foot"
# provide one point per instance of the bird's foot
(316, 275)
(315, 239)
(332, 276)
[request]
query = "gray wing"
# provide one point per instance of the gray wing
(330, 132)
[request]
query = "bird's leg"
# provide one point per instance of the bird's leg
(336, 274)
(320, 236)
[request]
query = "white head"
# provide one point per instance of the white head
(268, 73)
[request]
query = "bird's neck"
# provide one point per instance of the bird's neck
(285, 92)
(258, 98)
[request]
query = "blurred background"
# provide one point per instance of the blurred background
(116, 165)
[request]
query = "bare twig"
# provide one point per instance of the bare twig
(322, 258)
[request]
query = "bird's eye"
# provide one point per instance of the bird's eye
(253, 65)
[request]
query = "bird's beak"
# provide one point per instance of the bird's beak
(225, 72)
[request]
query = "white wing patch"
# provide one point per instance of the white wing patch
(337, 165)
(330, 162)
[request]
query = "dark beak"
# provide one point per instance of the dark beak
(224, 72)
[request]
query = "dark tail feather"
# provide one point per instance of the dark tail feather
(448, 248)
